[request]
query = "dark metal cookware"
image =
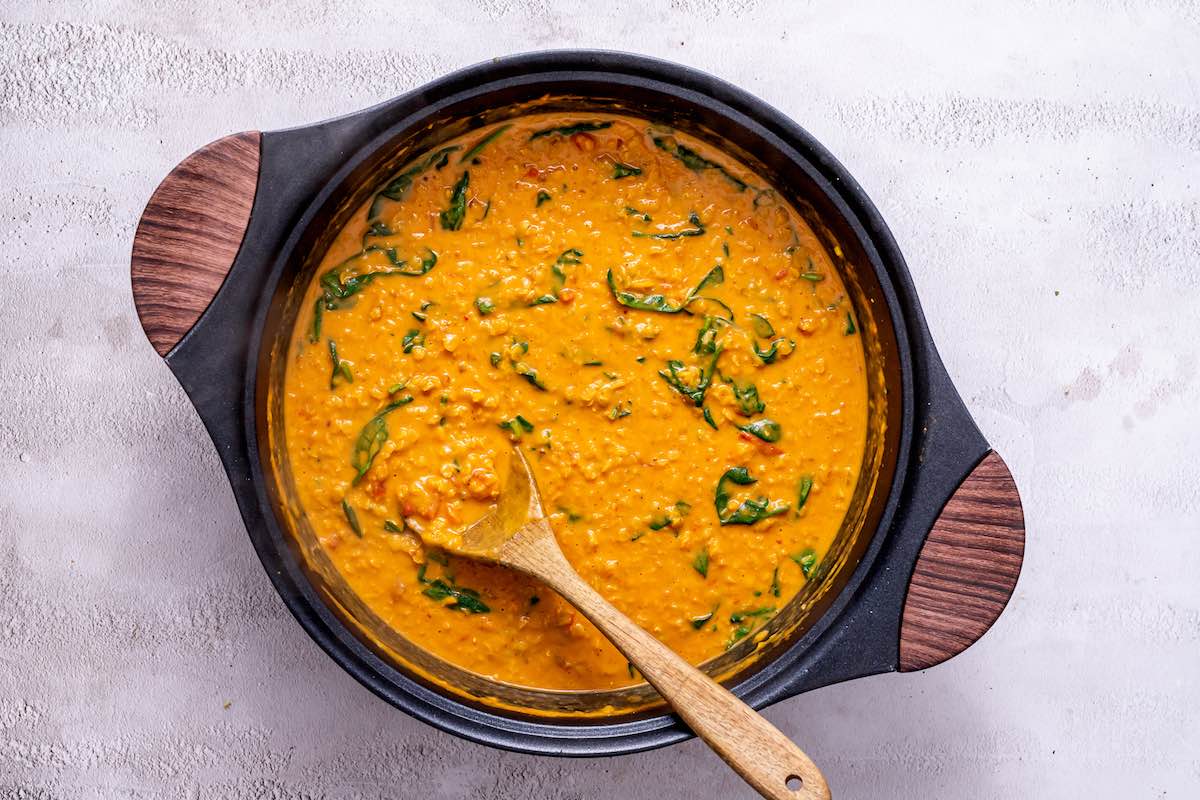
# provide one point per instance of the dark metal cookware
(931, 550)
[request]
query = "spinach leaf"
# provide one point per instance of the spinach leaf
(377, 228)
(737, 636)
(697, 230)
(398, 186)
(530, 374)
(750, 511)
(370, 442)
(850, 328)
(570, 130)
(392, 527)
(659, 303)
(463, 599)
(715, 301)
(714, 277)
(709, 418)
(571, 256)
(484, 142)
(762, 326)
(452, 218)
(571, 515)
(651, 302)
(484, 306)
(699, 622)
(542, 197)
(694, 161)
(802, 490)
(351, 518)
(768, 356)
(335, 291)
(633, 212)
(694, 393)
(766, 429)
(421, 316)
(674, 514)
(371, 438)
(516, 426)
(427, 263)
(314, 334)
(706, 339)
(706, 344)
(700, 564)
(742, 616)
(341, 369)
(622, 409)
(558, 275)
(747, 398)
(775, 581)
(621, 170)
(807, 559)
(414, 338)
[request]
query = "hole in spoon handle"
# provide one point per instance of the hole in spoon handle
(803, 782)
(798, 788)
(780, 770)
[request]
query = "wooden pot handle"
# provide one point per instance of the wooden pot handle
(189, 235)
(967, 569)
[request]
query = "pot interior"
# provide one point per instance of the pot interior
(788, 171)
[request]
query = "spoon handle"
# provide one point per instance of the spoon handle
(756, 749)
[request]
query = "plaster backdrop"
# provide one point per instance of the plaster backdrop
(1039, 164)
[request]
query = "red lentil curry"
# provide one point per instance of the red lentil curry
(656, 328)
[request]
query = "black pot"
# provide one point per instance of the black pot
(873, 612)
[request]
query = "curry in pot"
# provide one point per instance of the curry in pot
(656, 328)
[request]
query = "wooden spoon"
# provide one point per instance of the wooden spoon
(516, 534)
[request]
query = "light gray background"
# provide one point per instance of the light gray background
(1038, 163)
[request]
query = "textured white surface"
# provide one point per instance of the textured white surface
(1039, 163)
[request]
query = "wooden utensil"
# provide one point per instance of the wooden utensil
(517, 534)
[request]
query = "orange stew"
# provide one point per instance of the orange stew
(649, 321)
